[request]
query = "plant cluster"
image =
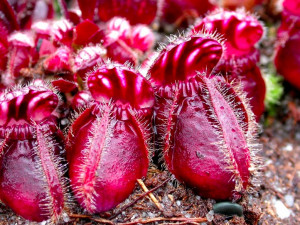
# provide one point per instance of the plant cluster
(197, 103)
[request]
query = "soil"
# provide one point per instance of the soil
(275, 201)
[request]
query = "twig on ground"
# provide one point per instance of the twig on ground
(151, 195)
(137, 199)
(161, 219)
(99, 220)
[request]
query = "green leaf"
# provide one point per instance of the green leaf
(274, 90)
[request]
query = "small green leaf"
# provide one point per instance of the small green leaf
(274, 90)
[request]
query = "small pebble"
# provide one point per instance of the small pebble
(282, 211)
(65, 217)
(288, 148)
(268, 162)
(289, 200)
(297, 136)
(134, 216)
(165, 199)
(264, 60)
(268, 174)
(188, 215)
(151, 215)
(64, 122)
(210, 216)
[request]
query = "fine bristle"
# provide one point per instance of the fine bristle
(105, 121)
(249, 129)
(44, 150)
(145, 131)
